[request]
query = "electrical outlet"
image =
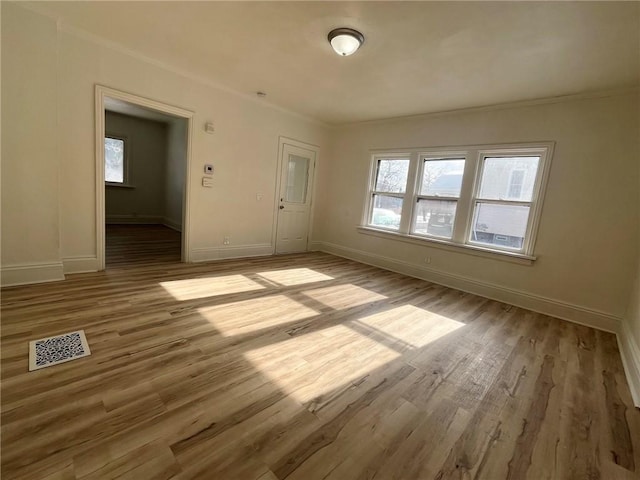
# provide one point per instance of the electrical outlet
(427, 259)
(226, 241)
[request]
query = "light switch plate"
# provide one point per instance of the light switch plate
(207, 182)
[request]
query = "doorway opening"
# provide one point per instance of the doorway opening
(142, 152)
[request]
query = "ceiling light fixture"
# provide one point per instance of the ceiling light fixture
(345, 41)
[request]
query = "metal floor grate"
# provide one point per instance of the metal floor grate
(49, 351)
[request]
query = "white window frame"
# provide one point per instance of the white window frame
(372, 192)
(423, 158)
(126, 177)
(474, 162)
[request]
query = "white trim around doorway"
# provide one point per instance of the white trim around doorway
(101, 94)
(282, 141)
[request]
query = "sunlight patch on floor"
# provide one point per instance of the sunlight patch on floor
(343, 296)
(295, 276)
(193, 288)
(409, 325)
(248, 316)
(318, 363)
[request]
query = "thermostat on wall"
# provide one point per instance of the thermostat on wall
(208, 168)
(207, 182)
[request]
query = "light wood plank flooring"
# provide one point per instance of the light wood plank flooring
(305, 367)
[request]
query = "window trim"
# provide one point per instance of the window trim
(474, 160)
(423, 158)
(126, 177)
(372, 192)
(541, 151)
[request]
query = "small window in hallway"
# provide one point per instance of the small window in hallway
(115, 168)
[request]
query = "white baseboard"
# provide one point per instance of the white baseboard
(317, 246)
(536, 303)
(135, 219)
(172, 224)
(80, 264)
(225, 252)
(630, 353)
(31, 273)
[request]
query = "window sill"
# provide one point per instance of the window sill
(118, 185)
(518, 258)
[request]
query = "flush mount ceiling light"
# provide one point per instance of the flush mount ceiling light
(345, 41)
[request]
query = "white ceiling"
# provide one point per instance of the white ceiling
(418, 57)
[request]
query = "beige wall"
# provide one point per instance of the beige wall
(629, 339)
(30, 210)
(146, 144)
(632, 319)
(175, 178)
(588, 232)
(48, 153)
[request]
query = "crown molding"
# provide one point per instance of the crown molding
(498, 106)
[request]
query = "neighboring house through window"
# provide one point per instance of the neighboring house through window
(502, 204)
(439, 185)
(516, 182)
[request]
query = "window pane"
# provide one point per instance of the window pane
(392, 175)
(516, 183)
(500, 225)
(434, 217)
(297, 174)
(508, 178)
(386, 212)
(442, 177)
(114, 160)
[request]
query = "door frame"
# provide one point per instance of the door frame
(282, 141)
(101, 94)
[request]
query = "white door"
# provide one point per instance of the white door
(294, 206)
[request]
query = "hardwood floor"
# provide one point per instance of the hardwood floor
(135, 245)
(305, 367)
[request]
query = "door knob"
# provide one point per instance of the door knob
(281, 207)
